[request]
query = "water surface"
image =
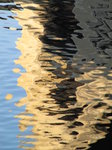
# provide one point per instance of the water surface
(55, 74)
(10, 92)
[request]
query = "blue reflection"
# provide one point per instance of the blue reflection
(9, 129)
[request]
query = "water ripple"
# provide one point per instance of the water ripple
(64, 66)
(8, 79)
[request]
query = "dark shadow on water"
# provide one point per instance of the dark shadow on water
(57, 42)
(105, 143)
(58, 29)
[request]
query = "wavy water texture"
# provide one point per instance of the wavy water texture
(92, 66)
(48, 81)
(65, 50)
(10, 92)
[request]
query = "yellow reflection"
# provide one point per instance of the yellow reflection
(9, 97)
(16, 70)
(48, 131)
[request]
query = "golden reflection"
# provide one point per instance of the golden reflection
(48, 132)
(16, 70)
(9, 97)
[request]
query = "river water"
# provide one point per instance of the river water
(55, 74)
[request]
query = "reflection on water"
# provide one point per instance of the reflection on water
(9, 91)
(93, 62)
(67, 58)
(46, 47)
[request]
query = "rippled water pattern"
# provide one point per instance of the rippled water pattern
(55, 74)
(10, 93)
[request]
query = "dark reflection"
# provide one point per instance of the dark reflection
(58, 29)
(57, 41)
(93, 60)
(107, 141)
